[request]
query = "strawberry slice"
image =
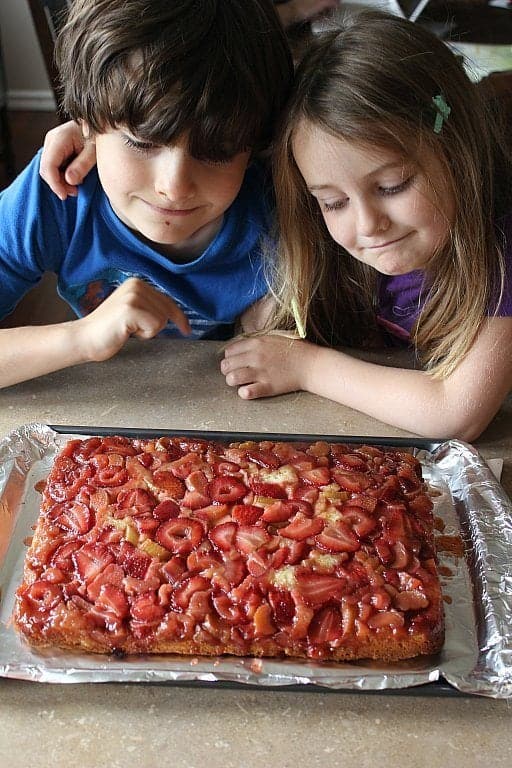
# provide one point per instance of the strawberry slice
(408, 479)
(197, 481)
(250, 537)
(181, 535)
(303, 492)
(112, 600)
(185, 590)
(146, 609)
(111, 574)
(269, 490)
(358, 519)
(195, 500)
(278, 512)
(223, 536)
(212, 513)
(223, 466)
(316, 589)
(173, 569)
(183, 466)
(111, 476)
(302, 618)
(90, 560)
(43, 595)
(389, 490)
(233, 572)
(390, 620)
(62, 556)
(75, 517)
(317, 476)
(338, 538)
(355, 482)
(230, 612)
(166, 481)
(227, 489)
(351, 461)
(283, 606)
(166, 510)
(135, 563)
(246, 514)
(264, 458)
(326, 626)
(422, 506)
(295, 552)
(135, 498)
(302, 527)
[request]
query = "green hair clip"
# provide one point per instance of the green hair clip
(442, 112)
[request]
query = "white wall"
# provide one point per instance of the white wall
(27, 83)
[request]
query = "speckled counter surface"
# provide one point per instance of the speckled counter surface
(177, 385)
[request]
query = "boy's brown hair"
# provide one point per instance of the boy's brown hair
(217, 70)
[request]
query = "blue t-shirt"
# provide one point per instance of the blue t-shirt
(401, 297)
(92, 252)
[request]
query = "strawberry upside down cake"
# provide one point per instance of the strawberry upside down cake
(177, 545)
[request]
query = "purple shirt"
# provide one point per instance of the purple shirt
(401, 299)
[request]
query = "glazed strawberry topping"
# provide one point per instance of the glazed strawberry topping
(312, 546)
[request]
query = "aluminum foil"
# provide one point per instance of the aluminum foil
(477, 587)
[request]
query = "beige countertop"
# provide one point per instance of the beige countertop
(177, 385)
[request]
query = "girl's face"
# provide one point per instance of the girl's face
(377, 205)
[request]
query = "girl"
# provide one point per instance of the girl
(394, 209)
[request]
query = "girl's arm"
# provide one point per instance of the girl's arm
(461, 405)
(66, 159)
(133, 309)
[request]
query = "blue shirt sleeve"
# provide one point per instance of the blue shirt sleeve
(33, 235)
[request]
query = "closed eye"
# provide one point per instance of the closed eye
(139, 146)
(337, 205)
(397, 188)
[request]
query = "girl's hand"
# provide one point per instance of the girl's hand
(267, 365)
(66, 159)
(133, 309)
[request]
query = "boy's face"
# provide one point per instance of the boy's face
(163, 193)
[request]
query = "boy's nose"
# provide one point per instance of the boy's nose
(174, 177)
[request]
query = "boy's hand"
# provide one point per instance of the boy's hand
(267, 365)
(66, 159)
(133, 309)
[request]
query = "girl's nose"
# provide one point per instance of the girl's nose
(174, 178)
(371, 219)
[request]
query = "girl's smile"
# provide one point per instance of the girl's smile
(377, 205)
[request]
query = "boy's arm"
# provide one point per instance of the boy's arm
(133, 309)
(66, 159)
(461, 405)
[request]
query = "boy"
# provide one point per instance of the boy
(177, 98)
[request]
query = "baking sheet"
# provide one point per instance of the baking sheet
(476, 657)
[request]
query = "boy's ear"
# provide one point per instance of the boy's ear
(86, 130)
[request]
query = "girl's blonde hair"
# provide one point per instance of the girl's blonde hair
(372, 81)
